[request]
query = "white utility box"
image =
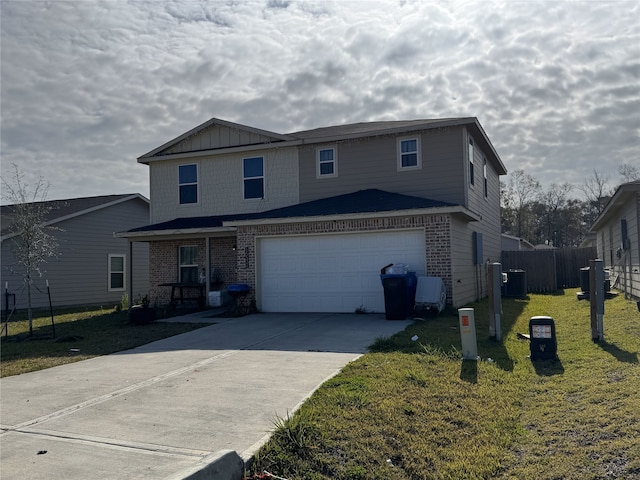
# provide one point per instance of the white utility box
(219, 298)
(431, 294)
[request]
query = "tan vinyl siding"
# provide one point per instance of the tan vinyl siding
(80, 276)
(373, 163)
(220, 185)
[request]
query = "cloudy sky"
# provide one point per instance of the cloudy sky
(88, 86)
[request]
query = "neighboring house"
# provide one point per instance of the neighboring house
(511, 243)
(308, 219)
(92, 264)
(617, 231)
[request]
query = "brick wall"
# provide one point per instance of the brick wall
(163, 268)
(224, 262)
(437, 240)
(239, 265)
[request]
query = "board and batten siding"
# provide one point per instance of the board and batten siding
(80, 275)
(217, 136)
(373, 163)
(221, 187)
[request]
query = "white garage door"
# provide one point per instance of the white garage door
(332, 273)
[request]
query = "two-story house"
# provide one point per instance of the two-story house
(308, 219)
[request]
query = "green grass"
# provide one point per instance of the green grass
(414, 410)
(79, 334)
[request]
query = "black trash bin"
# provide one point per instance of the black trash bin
(584, 280)
(399, 294)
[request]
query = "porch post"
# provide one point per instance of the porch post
(207, 270)
(130, 273)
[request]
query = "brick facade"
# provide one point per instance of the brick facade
(164, 264)
(233, 259)
(437, 230)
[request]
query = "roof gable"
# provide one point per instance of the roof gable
(623, 194)
(212, 135)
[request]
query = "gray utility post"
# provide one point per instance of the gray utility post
(596, 286)
(494, 281)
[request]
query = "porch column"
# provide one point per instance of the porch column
(207, 269)
(130, 272)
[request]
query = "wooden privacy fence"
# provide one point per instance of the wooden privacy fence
(549, 270)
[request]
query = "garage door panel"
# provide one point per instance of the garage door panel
(332, 273)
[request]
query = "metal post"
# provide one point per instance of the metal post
(599, 297)
(595, 334)
(495, 300)
(53, 325)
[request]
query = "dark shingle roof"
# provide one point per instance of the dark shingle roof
(366, 128)
(364, 201)
(61, 208)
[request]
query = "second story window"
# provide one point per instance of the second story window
(471, 172)
(327, 162)
(188, 181)
(484, 174)
(253, 175)
(188, 264)
(408, 153)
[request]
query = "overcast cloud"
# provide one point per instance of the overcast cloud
(87, 86)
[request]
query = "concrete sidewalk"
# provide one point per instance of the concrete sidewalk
(168, 408)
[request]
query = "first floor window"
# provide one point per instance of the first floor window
(116, 272)
(188, 180)
(408, 153)
(326, 162)
(253, 175)
(188, 264)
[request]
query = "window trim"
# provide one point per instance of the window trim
(261, 177)
(110, 288)
(418, 164)
(470, 158)
(484, 174)
(187, 184)
(186, 265)
(333, 161)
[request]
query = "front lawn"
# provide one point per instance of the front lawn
(79, 334)
(414, 410)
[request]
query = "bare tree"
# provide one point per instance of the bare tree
(629, 173)
(555, 201)
(597, 193)
(522, 190)
(33, 243)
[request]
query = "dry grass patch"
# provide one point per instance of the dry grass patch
(80, 334)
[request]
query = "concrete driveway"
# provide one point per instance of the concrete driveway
(174, 406)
